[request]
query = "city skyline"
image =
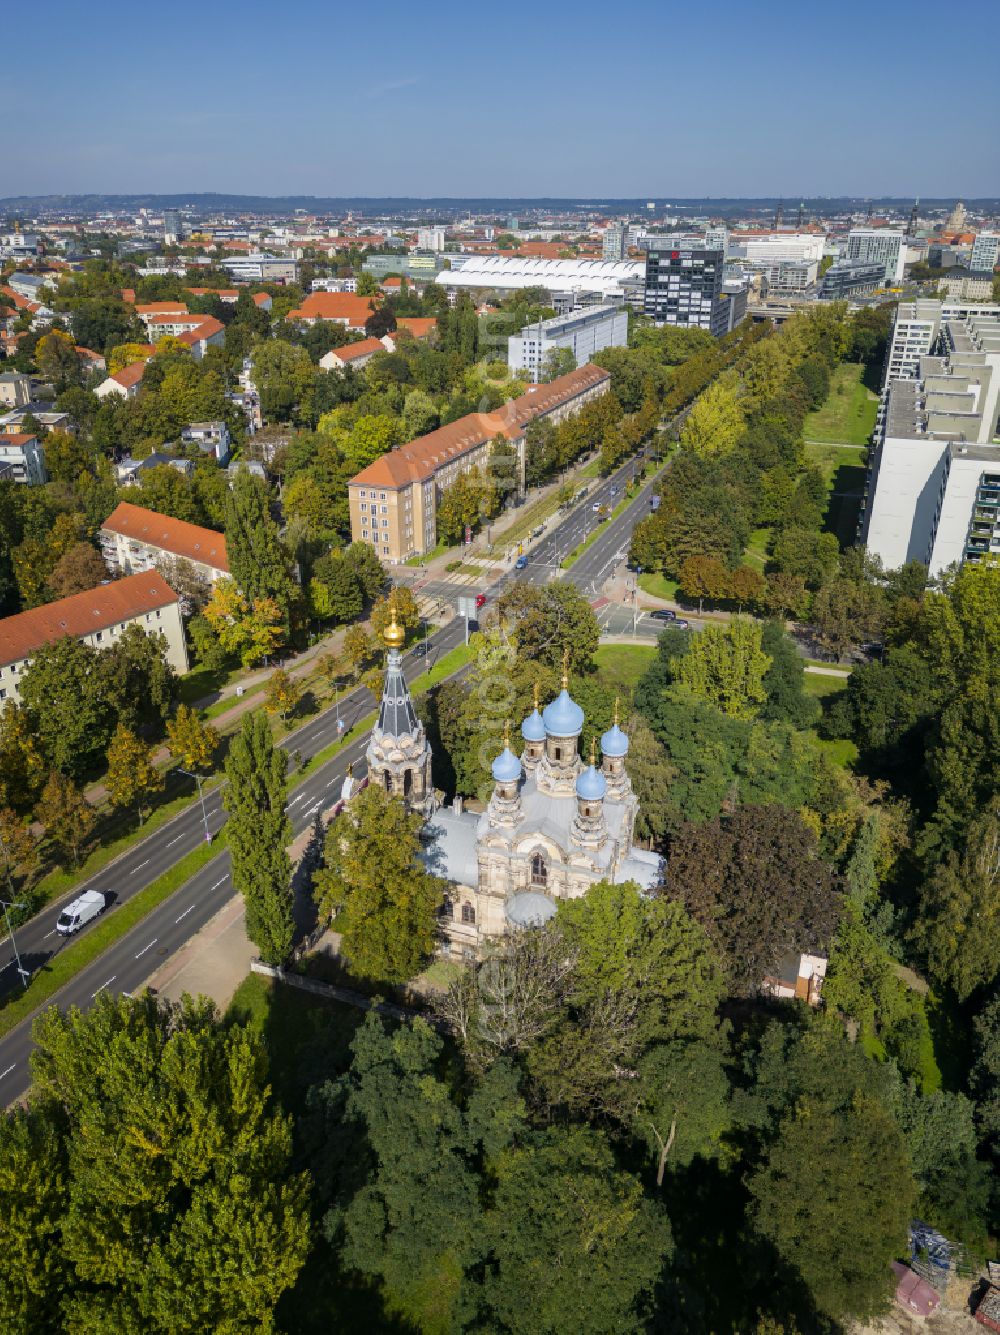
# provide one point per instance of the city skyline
(462, 106)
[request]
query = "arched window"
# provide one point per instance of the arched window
(539, 871)
(407, 782)
(468, 913)
(388, 782)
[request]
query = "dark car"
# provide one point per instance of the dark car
(664, 614)
(521, 563)
(681, 624)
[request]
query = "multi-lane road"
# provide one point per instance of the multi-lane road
(126, 964)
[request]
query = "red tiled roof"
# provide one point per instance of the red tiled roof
(221, 292)
(417, 325)
(206, 328)
(128, 295)
(422, 457)
(175, 536)
(21, 303)
(162, 308)
(260, 298)
(16, 437)
(89, 355)
(130, 375)
(366, 348)
(334, 306)
(82, 613)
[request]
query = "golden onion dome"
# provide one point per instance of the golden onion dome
(394, 634)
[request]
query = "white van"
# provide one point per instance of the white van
(82, 910)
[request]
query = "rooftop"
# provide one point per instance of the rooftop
(422, 457)
(82, 613)
(190, 541)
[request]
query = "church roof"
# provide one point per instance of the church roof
(563, 717)
(614, 742)
(506, 767)
(533, 729)
(529, 909)
(591, 784)
(396, 715)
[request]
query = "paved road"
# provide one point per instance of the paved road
(126, 964)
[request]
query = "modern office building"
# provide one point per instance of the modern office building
(614, 245)
(883, 244)
(967, 287)
(985, 253)
(768, 248)
(851, 278)
(419, 268)
(394, 500)
(684, 286)
(173, 229)
(259, 268)
(933, 486)
(98, 618)
(582, 332)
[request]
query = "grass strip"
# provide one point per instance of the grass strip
(68, 963)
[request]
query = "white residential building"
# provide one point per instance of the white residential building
(135, 539)
(582, 332)
(879, 243)
(430, 238)
(933, 492)
(918, 325)
(98, 618)
(22, 459)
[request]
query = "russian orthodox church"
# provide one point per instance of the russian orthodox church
(553, 827)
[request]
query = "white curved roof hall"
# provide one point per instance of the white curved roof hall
(509, 272)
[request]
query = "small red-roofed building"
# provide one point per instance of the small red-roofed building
(356, 355)
(345, 308)
(208, 333)
(125, 382)
(262, 300)
(90, 360)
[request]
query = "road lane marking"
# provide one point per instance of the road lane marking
(48, 934)
(184, 914)
(175, 840)
(220, 881)
(8, 1070)
(149, 947)
(103, 986)
(140, 866)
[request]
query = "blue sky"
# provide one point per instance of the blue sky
(592, 100)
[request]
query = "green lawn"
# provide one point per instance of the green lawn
(829, 459)
(842, 752)
(756, 552)
(622, 666)
(848, 415)
(820, 685)
(657, 585)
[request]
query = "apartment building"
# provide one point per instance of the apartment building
(356, 355)
(22, 459)
(210, 437)
(884, 244)
(684, 286)
(431, 238)
(97, 617)
(15, 389)
(918, 325)
(135, 539)
(393, 501)
(126, 383)
(345, 308)
(934, 475)
(614, 243)
(582, 333)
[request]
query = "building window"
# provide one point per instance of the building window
(388, 782)
(539, 871)
(468, 913)
(557, 752)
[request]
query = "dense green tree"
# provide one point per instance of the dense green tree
(259, 831)
(136, 680)
(546, 622)
(22, 768)
(374, 882)
(258, 561)
(131, 776)
(574, 1243)
(757, 884)
(33, 1190)
(784, 681)
(173, 1205)
(65, 701)
(726, 665)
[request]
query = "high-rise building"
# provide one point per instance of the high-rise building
(684, 286)
(615, 242)
(985, 253)
(878, 243)
(173, 230)
(430, 238)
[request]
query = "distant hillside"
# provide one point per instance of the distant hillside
(286, 204)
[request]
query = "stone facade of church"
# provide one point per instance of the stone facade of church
(554, 826)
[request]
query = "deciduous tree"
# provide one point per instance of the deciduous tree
(193, 742)
(282, 694)
(131, 775)
(67, 816)
(725, 665)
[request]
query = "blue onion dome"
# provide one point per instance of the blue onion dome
(563, 717)
(533, 729)
(506, 767)
(614, 742)
(590, 786)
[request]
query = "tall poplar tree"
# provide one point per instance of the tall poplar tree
(258, 832)
(257, 560)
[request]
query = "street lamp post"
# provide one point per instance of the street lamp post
(201, 796)
(7, 906)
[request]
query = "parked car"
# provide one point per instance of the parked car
(521, 563)
(663, 614)
(681, 624)
(83, 909)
